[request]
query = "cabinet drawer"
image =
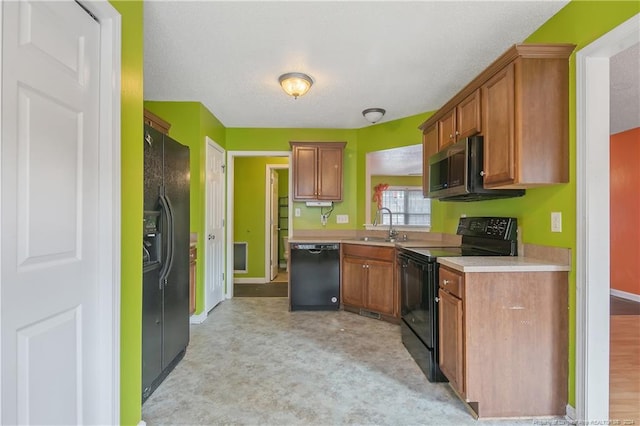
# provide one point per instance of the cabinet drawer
(369, 252)
(450, 281)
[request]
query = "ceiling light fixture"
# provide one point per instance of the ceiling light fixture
(295, 83)
(373, 115)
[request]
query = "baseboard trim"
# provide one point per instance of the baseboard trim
(571, 413)
(625, 295)
(249, 280)
(198, 318)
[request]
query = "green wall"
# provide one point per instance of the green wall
(131, 192)
(249, 220)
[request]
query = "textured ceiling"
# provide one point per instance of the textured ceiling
(406, 57)
(625, 90)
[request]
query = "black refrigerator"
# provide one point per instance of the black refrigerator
(165, 251)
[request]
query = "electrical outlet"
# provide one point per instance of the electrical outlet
(297, 212)
(556, 221)
(342, 218)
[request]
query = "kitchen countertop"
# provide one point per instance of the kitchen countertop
(501, 264)
(351, 240)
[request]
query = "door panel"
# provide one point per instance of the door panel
(273, 220)
(50, 282)
(214, 253)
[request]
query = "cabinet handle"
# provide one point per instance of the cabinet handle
(457, 133)
(450, 136)
(482, 173)
(445, 282)
(437, 299)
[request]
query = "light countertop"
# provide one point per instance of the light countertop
(501, 264)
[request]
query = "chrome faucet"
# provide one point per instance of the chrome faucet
(392, 232)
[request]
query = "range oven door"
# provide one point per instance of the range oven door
(418, 283)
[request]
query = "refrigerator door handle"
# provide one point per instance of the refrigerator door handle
(168, 260)
(172, 238)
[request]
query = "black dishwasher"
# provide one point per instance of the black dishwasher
(314, 275)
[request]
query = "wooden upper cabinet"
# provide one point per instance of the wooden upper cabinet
(468, 117)
(526, 124)
(447, 130)
(499, 129)
(429, 147)
(460, 122)
(317, 170)
(152, 120)
(520, 105)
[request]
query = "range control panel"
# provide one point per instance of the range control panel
(501, 228)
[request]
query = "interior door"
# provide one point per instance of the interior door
(49, 209)
(214, 250)
(273, 221)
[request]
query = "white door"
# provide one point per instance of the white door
(273, 220)
(49, 208)
(214, 249)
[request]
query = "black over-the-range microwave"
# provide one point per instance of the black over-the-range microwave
(455, 174)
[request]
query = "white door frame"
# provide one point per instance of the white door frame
(592, 219)
(267, 211)
(231, 155)
(109, 201)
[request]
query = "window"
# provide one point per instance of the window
(408, 206)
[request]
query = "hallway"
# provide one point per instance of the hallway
(253, 362)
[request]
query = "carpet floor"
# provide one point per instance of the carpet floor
(253, 362)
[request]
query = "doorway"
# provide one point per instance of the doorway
(592, 256)
(260, 276)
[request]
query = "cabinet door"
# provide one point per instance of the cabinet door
(447, 130)
(451, 339)
(499, 128)
(468, 121)
(429, 147)
(354, 276)
(379, 294)
(304, 173)
(330, 173)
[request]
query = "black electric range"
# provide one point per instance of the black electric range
(481, 236)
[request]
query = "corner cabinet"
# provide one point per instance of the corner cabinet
(317, 170)
(504, 340)
(368, 281)
(520, 106)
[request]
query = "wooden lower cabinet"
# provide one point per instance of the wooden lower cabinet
(368, 280)
(451, 339)
(504, 341)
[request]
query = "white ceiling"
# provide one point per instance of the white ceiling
(406, 57)
(625, 90)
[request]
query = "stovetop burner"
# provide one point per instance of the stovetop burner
(481, 236)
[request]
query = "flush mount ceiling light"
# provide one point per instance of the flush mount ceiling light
(373, 115)
(295, 83)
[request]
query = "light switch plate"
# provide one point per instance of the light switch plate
(556, 221)
(342, 218)
(297, 212)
